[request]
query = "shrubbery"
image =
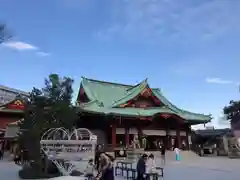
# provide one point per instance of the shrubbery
(32, 172)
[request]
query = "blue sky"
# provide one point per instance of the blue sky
(189, 49)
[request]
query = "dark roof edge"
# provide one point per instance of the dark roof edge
(115, 83)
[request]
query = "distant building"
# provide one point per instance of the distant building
(11, 105)
(8, 94)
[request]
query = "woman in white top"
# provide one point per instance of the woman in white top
(150, 166)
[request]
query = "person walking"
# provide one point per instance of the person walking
(150, 166)
(141, 167)
(106, 171)
(163, 152)
(97, 156)
(177, 153)
(1, 154)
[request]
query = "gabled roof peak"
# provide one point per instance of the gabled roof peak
(144, 82)
(114, 83)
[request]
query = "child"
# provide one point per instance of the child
(89, 170)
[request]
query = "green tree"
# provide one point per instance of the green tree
(232, 112)
(49, 107)
(58, 92)
(4, 33)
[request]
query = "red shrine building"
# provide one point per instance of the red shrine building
(11, 112)
(11, 106)
(117, 112)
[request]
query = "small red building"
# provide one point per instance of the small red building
(11, 112)
(117, 112)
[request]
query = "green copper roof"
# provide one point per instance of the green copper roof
(105, 97)
(131, 93)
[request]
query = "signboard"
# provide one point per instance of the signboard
(17, 104)
(64, 147)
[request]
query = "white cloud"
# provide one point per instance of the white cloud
(18, 45)
(22, 46)
(188, 20)
(218, 81)
(41, 53)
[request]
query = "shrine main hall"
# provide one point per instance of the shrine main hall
(117, 112)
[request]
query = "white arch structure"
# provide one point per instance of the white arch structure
(66, 149)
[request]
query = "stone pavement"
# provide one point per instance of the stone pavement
(207, 168)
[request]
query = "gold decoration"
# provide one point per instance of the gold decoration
(18, 103)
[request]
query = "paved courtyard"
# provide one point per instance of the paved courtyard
(204, 169)
(200, 169)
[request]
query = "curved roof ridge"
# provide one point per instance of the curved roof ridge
(106, 82)
(131, 93)
(175, 108)
(144, 81)
(115, 83)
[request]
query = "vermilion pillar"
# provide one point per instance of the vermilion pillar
(113, 135)
(127, 138)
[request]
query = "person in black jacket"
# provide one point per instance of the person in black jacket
(163, 152)
(141, 167)
(97, 156)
